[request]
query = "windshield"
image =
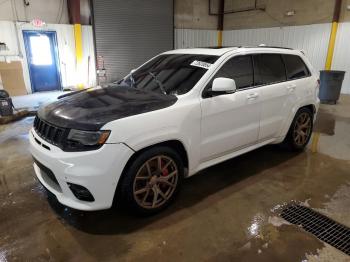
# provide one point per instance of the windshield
(170, 74)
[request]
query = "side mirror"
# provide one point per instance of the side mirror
(223, 85)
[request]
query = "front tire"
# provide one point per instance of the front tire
(152, 180)
(300, 131)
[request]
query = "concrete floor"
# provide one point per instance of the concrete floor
(227, 213)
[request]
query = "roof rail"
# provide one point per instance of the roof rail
(261, 45)
(280, 47)
(221, 47)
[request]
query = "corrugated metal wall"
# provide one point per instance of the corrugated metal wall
(341, 60)
(127, 33)
(185, 38)
(313, 39)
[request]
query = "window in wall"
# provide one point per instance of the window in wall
(41, 50)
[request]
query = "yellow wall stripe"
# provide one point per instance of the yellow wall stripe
(331, 46)
(78, 52)
(219, 38)
(78, 43)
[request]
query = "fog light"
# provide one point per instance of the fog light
(81, 192)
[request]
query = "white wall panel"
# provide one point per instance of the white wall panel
(66, 51)
(89, 67)
(11, 34)
(341, 58)
(313, 39)
(186, 38)
(8, 36)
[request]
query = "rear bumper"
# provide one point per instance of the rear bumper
(98, 171)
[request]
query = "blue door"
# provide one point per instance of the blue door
(42, 57)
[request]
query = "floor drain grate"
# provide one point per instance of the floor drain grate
(319, 225)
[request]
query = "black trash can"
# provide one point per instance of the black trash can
(331, 82)
(6, 107)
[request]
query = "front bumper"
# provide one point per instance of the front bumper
(98, 171)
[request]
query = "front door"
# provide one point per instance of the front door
(231, 121)
(42, 57)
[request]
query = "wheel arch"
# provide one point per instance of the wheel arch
(290, 118)
(174, 144)
(312, 108)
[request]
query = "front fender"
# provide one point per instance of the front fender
(181, 123)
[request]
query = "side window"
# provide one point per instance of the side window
(239, 68)
(295, 67)
(268, 69)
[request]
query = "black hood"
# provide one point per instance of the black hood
(91, 109)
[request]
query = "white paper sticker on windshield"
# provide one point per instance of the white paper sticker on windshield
(201, 64)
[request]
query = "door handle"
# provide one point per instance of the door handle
(253, 96)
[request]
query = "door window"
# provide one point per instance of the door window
(268, 69)
(41, 50)
(240, 69)
(295, 67)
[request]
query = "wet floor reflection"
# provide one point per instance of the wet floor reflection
(335, 134)
(325, 123)
(227, 212)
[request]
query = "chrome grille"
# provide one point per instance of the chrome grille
(48, 132)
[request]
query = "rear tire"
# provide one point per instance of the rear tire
(152, 181)
(300, 130)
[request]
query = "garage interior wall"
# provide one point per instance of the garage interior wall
(16, 15)
(128, 33)
(308, 29)
(11, 34)
(50, 11)
(313, 39)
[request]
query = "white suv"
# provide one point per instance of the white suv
(184, 110)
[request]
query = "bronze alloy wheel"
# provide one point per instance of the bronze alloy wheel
(302, 129)
(155, 182)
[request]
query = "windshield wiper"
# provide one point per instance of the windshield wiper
(132, 80)
(160, 84)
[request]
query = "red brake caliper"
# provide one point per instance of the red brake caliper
(165, 172)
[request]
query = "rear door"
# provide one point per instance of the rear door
(270, 76)
(298, 76)
(230, 121)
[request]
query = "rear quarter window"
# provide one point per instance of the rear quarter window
(295, 67)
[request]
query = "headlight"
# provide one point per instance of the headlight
(79, 139)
